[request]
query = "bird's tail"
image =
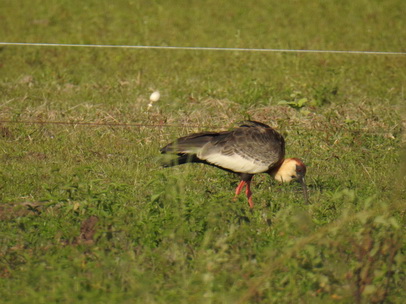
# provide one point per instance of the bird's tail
(189, 144)
(186, 148)
(171, 160)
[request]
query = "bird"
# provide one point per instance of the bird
(251, 148)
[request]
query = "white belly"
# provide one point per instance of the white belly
(235, 163)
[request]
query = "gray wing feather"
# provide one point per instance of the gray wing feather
(254, 145)
(253, 141)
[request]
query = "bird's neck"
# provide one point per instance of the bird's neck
(283, 172)
(276, 169)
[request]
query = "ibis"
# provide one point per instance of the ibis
(249, 149)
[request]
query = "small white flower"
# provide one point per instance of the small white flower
(154, 96)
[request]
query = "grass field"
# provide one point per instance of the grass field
(87, 215)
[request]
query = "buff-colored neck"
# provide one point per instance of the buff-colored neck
(290, 169)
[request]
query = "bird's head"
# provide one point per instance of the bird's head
(291, 169)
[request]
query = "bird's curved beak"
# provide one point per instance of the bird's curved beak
(302, 181)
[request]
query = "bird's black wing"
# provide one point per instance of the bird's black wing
(252, 148)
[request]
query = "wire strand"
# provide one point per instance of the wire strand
(198, 48)
(164, 125)
(106, 124)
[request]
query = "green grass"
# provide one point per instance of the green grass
(175, 235)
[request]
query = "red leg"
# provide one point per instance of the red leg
(249, 194)
(239, 188)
